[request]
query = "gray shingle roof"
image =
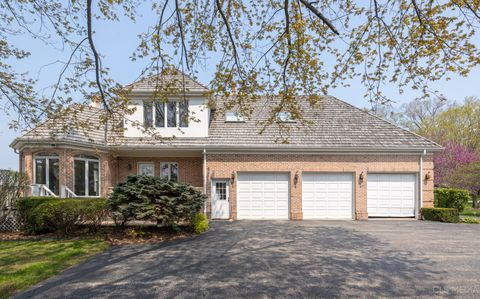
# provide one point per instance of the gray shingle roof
(334, 125)
(171, 80)
(89, 128)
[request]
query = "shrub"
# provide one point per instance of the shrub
(451, 198)
(143, 197)
(26, 213)
(51, 214)
(441, 214)
(200, 223)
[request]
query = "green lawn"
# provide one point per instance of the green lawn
(469, 211)
(25, 263)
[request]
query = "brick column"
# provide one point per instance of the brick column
(360, 186)
(427, 185)
(296, 212)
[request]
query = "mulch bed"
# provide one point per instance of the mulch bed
(140, 234)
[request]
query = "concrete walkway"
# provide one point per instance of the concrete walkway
(259, 259)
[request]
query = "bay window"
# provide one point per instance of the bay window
(172, 114)
(87, 175)
(47, 171)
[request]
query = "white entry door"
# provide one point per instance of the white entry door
(262, 195)
(220, 200)
(327, 195)
(391, 194)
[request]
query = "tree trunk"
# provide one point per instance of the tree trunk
(475, 200)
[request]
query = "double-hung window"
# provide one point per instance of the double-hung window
(169, 171)
(171, 114)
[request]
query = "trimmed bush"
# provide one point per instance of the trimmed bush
(50, 214)
(150, 198)
(200, 223)
(451, 198)
(26, 213)
(441, 214)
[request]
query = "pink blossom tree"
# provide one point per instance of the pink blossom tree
(452, 157)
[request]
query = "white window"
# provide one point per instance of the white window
(47, 171)
(233, 116)
(169, 171)
(172, 114)
(87, 175)
(284, 116)
(146, 169)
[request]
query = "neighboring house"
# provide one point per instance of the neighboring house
(345, 164)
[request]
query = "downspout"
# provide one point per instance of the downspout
(421, 181)
(205, 179)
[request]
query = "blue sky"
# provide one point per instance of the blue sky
(116, 42)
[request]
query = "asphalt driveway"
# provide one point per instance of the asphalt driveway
(378, 258)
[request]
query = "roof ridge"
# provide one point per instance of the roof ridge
(384, 120)
(159, 75)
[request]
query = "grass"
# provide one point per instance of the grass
(469, 211)
(25, 263)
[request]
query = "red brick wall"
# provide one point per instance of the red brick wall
(222, 166)
(189, 168)
(115, 169)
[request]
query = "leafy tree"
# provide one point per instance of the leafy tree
(467, 177)
(143, 197)
(461, 124)
(451, 158)
(283, 47)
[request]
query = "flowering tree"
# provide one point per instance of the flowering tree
(466, 177)
(446, 162)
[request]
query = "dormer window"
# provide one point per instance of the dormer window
(172, 114)
(284, 117)
(234, 116)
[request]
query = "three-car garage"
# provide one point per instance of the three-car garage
(266, 195)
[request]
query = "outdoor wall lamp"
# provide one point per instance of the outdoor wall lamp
(295, 178)
(232, 177)
(428, 176)
(129, 166)
(360, 177)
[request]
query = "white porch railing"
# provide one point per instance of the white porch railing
(41, 190)
(67, 193)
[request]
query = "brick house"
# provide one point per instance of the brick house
(344, 164)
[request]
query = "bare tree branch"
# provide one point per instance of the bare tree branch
(96, 56)
(319, 15)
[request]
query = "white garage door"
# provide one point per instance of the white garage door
(262, 196)
(391, 195)
(327, 195)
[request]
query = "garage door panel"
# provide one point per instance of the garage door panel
(262, 195)
(327, 195)
(391, 195)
